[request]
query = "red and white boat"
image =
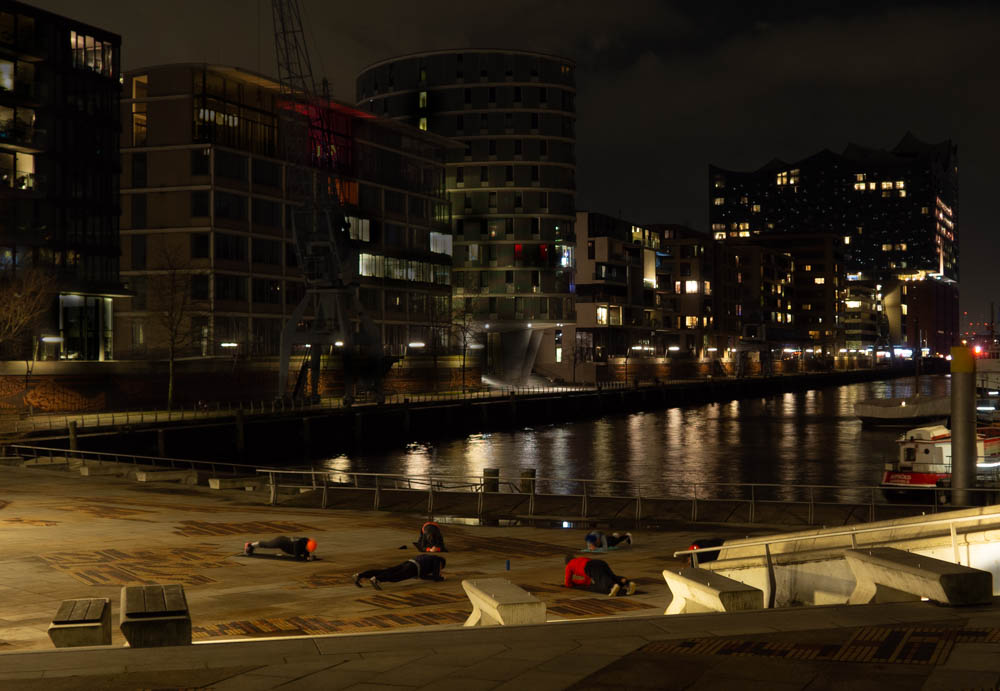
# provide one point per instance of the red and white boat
(925, 457)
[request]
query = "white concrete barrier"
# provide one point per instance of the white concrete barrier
(247, 483)
(187, 477)
(698, 590)
(884, 574)
(94, 468)
(497, 601)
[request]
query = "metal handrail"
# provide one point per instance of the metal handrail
(135, 459)
(852, 532)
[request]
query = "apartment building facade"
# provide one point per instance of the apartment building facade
(205, 212)
(59, 166)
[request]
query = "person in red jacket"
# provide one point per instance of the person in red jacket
(596, 576)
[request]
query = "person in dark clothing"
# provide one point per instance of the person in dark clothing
(597, 540)
(424, 566)
(431, 539)
(704, 557)
(301, 548)
(596, 576)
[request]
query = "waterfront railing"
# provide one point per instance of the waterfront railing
(99, 458)
(636, 499)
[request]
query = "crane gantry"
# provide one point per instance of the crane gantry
(319, 226)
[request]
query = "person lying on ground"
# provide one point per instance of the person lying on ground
(301, 548)
(596, 540)
(596, 576)
(431, 539)
(423, 566)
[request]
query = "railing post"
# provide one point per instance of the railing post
(323, 505)
(871, 508)
(378, 496)
(274, 489)
(430, 498)
(753, 503)
(812, 510)
(583, 508)
(694, 503)
(771, 583)
(954, 544)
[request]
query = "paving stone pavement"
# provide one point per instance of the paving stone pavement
(266, 624)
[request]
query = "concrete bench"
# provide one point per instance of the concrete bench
(93, 469)
(699, 590)
(497, 601)
(246, 483)
(187, 477)
(155, 615)
(81, 622)
(885, 574)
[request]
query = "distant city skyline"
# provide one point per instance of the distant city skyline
(665, 88)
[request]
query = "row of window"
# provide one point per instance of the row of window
(378, 266)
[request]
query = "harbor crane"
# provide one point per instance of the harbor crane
(338, 324)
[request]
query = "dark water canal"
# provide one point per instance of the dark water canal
(810, 437)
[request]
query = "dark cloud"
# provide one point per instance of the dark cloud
(665, 88)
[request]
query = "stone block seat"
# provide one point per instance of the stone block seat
(81, 622)
(497, 601)
(155, 615)
(885, 574)
(700, 590)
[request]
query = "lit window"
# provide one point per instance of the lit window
(422, 100)
(708, 287)
(744, 233)
(602, 315)
(900, 184)
(859, 185)
(690, 286)
(755, 208)
(718, 226)
(871, 185)
(423, 124)
(691, 322)
(902, 193)
(847, 239)
(806, 307)
(819, 280)
(807, 267)
(887, 184)
(744, 226)
(558, 353)
(903, 306)
(782, 178)
(859, 177)
(719, 201)
(886, 248)
(720, 236)
(853, 304)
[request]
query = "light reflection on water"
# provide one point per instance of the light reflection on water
(810, 437)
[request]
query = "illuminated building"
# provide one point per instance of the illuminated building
(511, 184)
(59, 87)
(206, 187)
(896, 212)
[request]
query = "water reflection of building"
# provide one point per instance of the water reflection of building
(59, 173)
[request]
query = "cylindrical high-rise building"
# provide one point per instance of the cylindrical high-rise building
(511, 187)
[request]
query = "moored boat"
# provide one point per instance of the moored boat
(924, 459)
(904, 412)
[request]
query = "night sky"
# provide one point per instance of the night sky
(665, 88)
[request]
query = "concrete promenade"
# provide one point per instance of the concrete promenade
(68, 537)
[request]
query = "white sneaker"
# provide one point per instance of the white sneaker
(631, 588)
(614, 590)
(628, 537)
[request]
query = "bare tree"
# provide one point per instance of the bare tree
(465, 327)
(438, 321)
(25, 296)
(170, 307)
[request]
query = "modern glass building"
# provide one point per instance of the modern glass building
(511, 184)
(206, 195)
(59, 93)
